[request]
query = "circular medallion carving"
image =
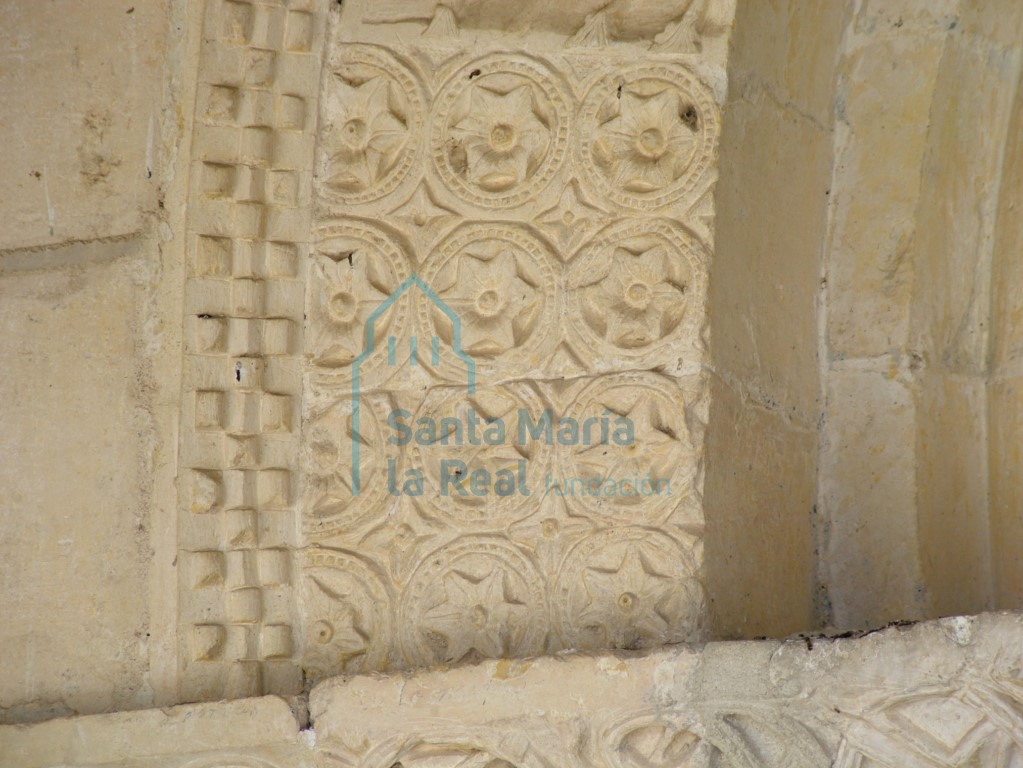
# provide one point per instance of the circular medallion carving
(500, 282)
(353, 271)
(334, 444)
(648, 135)
(644, 468)
(638, 291)
(372, 109)
(481, 465)
(476, 598)
(346, 607)
(499, 131)
(628, 588)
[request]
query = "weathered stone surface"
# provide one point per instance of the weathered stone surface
(760, 477)
(764, 283)
(945, 693)
(75, 498)
(817, 353)
(256, 733)
(554, 213)
(935, 694)
(81, 140)
(872, 566)
(1005, 408)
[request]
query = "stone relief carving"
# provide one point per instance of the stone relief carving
(654, 129)
(495, 251)
(367, 146)
(456, 234)
(499, 134)
(678, 26)
(248, 230)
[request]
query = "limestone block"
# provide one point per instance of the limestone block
(74, 491)
(872, 553)
(256, 733)
(944, 693)
(1007, 268)
(952, 484)
(682, 26)
(513, 227)
(84, 85)
(759, 506)
(1005, 420)
(956, 221)
(886, 85)
(504, 237)
(1004, 407)
(937, 694)
(766, 271)
(789, 49)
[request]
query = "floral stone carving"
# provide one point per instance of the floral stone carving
(504, 392)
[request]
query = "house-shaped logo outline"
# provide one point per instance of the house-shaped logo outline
(370, 327)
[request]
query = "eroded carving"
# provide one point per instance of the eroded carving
(477, 598)
(346, 603)
(638, 287)
(631, 588)
(353, 272)
(515, 248)
(500, 130)
(648, 135)
(654, 472)
(596, 23)
(502, 282)
(373, 116)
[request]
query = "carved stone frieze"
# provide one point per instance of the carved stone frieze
(446, 340)
(504, 393)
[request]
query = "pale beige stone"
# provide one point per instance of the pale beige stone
(766, 271)
(868, 498)
(930, 694)
(942, 693)
(885, 90)
(74, 494)
(559, 208)
(790, 49)
(1004, 406)
(1005, 413)
(955, 532)
(251, 732)
(84, 88)
(759, 504)
(872, 557)
(820, 353)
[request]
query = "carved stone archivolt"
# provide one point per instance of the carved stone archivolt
(446, 337)
(504, 394)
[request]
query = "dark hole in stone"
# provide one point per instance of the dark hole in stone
(475, 73)
(690, 117)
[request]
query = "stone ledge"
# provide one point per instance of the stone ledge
(938, 693)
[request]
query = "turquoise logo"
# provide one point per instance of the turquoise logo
(412, 281)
